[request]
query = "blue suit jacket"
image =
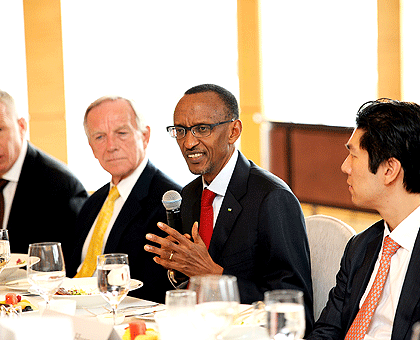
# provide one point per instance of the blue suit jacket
(357, 265)
(138, 216)
(259, 235)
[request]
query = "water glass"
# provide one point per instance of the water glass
(285, 314)
(113, 279)
(180, 300)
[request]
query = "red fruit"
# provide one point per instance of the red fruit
(11, 298)
(137, 327)
(19, 298)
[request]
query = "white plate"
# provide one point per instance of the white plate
(89, 285)
(21, 284)
(13, 266)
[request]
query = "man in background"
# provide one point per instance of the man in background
(252, 226)
(41, 196)
(117, 217)
(377, 293)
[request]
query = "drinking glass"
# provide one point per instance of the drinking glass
(217, 302)
(4, 249)
(113, 279)
(45, 268)
(285, 314)
(180, 301)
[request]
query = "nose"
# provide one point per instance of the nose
(190, 140)
(345, 167)
(111, 143)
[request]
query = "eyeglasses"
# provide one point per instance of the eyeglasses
(199, 131)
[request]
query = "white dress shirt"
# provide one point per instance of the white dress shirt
(405, 235)
(124, 188)
(220, 183)
(13, 177)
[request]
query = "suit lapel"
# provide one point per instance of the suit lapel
(410, 295)
(131, 207)
(362, 277)
(230, 208)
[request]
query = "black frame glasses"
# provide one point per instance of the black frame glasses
(198, 131)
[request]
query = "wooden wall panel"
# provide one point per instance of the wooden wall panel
(309, 158)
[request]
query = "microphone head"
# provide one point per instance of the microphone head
(171, 200)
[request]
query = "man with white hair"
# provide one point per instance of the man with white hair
(117, 217)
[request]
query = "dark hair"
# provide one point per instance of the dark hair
(231, 104)
(392, 129)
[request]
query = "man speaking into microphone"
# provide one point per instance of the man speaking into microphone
(237, 219)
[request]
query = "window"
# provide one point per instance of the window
(319, 60)
(149, 51)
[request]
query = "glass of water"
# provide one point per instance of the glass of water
(4, 249)
(45, 268)
(285, 314)
(113, 279)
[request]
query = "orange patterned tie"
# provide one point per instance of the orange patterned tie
(362, 320)
(96, 243)
(206, 216)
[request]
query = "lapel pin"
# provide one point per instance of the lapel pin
(229, 209)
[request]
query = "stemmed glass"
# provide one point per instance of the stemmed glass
(113, 279)
(4, 249)
(217, 302)
(45, 268)
(285, 314)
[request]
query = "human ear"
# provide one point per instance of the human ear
(392, 170)
(235, 131)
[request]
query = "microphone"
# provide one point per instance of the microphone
(172, 202)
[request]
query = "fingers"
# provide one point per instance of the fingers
(195, 234)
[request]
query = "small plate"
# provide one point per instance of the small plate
(13, 265)
(90, 286)
(21, 284)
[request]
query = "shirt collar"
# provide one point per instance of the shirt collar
(13, 174)
(221, 181)
(405, 233)
(126, 185)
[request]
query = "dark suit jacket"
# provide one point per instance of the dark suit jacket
(139, 216)
(353, 277)
(47, 200)
(259, 235)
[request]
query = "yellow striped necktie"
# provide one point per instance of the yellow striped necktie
(96, 242)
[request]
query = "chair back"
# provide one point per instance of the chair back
(327, 237)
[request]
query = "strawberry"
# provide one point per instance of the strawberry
(137, 327)
(11, 298)
(19, 298)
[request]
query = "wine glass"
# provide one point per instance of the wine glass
(4, 249)
(285, 314)
(45, 268)
(217, 302)
(113, 279)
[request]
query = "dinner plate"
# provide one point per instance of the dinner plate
(89, 286)
(16, 261)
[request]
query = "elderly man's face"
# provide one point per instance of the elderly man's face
(12, 132)
(208, 155)
(115, 139)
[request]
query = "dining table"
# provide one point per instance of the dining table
(129, 309)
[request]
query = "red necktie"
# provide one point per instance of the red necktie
(206, 216)
(362, 320)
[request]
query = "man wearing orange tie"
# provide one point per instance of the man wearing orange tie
(377, 293)
(250, 223)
